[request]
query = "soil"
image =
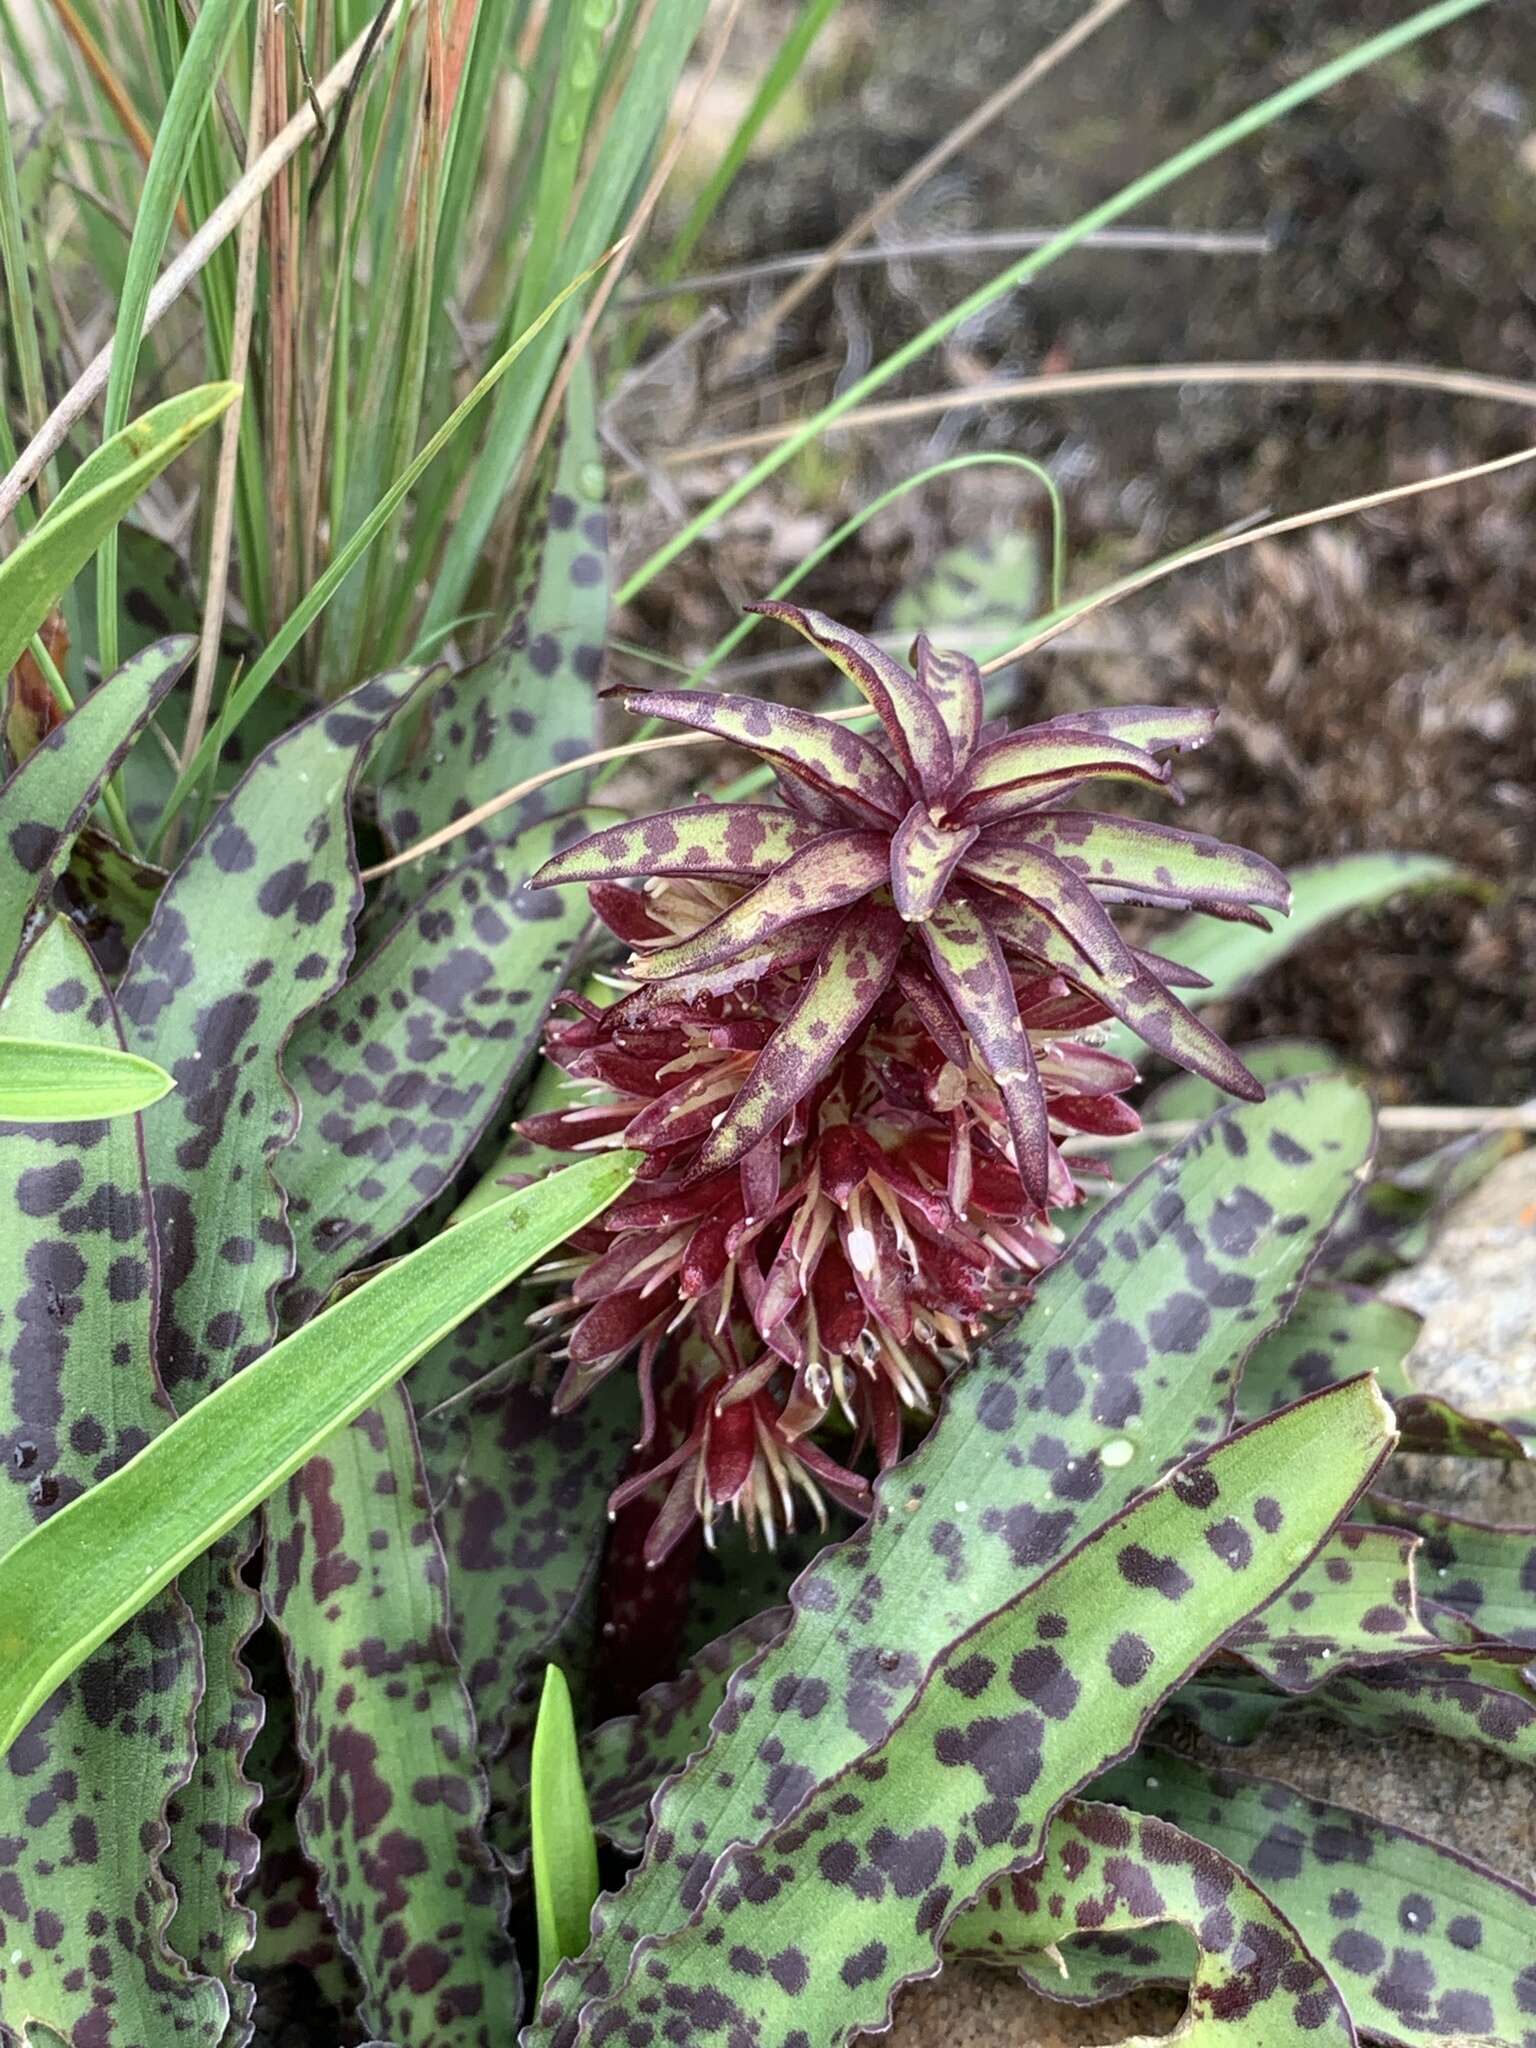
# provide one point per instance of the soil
(1377, 675)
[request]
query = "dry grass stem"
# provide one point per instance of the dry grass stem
(1224, 544)
(1128, 377)
(755, 337)
(222, 524)
(180, 273)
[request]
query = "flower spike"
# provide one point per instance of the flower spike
(856, 1036)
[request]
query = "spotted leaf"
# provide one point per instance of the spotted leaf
(923, 857)
(296, 1954)
(1075, 1927)
(1149, 862)
(531, 702)
(394, 1809)
(1129, 989)
(1230, 956)
(839, 869)
(1424, 1944)
(44, 804)
(1014, 774)
(954, 683)
(252, 931)
(1159, 728)
(970, 967)
(1123, 1365)
(810, 1933)
(1336, 1330)
(1483, 1571)
(83, 1790)
(626, 1760)
(1393, 1220)
(401, 1070)
(521, 1500)
(1474, 1695)
(700, 839)
(111, 895)
(1355, 1604)
(911, 715)
(852, 973)
(828, 760)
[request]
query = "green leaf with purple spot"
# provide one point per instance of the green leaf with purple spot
(1075, 1928)
(839, 869)
(971, 969)
(1119, 1353)
(828, 759)
(395, 1802)
(1425, 1944)
(531, 701)
(1148, 861)
(1483, 1571)
(912, 717)
(47, 801)
(1013, 774)
(954, 683)
(1231, 956)
(923, 858)
(811, 1933)
(1337, 1330)
(84, 1790)
(1355, 1604)
(1129, 990)
(400, 1071)
(701, 839)
(850, 976)
(254, 928)
(521, 1498)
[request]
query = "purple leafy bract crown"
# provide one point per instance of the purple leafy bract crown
(938, 856)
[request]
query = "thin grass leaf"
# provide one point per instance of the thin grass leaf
(564, 1846)
(788, 59)
(65, 1588)
(1230, 956)
(1131, 196)
(176, 136)
(47, 1081)
(288, 636)
(610, 185)
(35, 574)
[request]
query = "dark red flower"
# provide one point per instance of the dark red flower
(856, 1031)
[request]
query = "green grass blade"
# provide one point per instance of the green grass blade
(600, 212)
(581, 54)
(175, 140)
(565, 1881)
(1125, 201)
(779, 77)
(36, 574)
(45, 1082)
(1231, 955)
(314, 602)
(18, 284)
(65, 1588)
